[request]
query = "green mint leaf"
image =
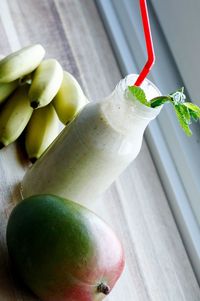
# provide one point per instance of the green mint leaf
(185, 112)
(194, 115)
(139, 94)
(160, 100)
(184, 123)
(193, 108)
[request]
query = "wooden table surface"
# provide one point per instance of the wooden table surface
(157, 266)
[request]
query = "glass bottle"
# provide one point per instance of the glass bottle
(95, 148)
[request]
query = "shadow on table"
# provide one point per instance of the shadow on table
(11, 288)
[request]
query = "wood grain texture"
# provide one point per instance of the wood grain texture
(157, 266)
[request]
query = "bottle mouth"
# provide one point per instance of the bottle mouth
(151, 92)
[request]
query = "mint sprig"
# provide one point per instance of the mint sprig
(185, 111)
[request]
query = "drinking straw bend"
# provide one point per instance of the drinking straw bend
(149, 43)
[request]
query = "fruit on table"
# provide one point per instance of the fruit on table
(6, 89)
(70, 99)
(46, 82)
(14, 116)
(63, 251)
(20, 63)
(41, 130)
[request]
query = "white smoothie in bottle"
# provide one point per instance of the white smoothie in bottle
(95, 148)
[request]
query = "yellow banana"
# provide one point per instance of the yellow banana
(6, 89)
(20, 63)
(46, 82)
(14, 116)
(70, 99)
(42, 129)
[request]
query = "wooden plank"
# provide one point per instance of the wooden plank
(157, 266)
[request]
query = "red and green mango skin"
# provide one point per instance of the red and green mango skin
(61, 250)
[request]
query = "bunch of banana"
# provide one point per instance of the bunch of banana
(35, 95)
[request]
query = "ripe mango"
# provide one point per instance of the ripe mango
(63, 251)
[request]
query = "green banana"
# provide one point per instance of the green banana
(14, 116)
(46, 82)
(70, 99)
(20, 63)
(42, 129)
(6, 89)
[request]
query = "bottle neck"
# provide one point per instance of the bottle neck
(139, 109)
(125, 112)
